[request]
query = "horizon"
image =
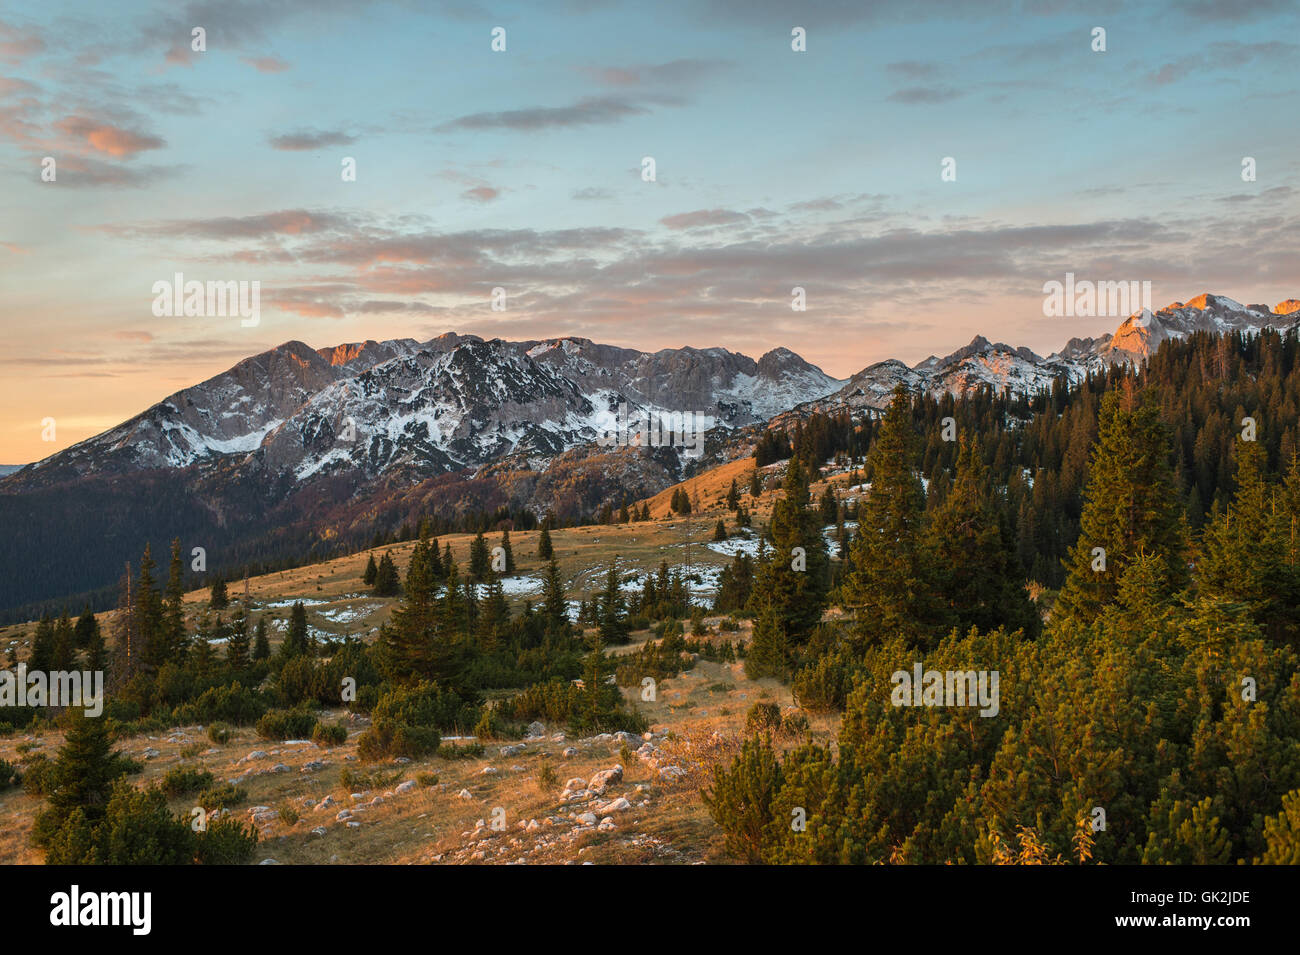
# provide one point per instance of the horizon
(920, 173)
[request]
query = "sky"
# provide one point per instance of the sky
(523, 169)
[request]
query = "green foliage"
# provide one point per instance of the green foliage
(763, 718)
(222, 796)
(332, 734)
(286, 724)
(741, 799)
(181, 780)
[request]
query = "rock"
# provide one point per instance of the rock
(535, 730)
(647, 736)
(279, 768)
(488, 771)
(318, 831)
(587, 819)
(377, 801)
(357, 797)
(344, 815)
(576, 782)
(569, 752)
(268, 862)
(405, 787)
(607, 825)
(671, 772)
(465, 794)
(558, 738)
(403, 760)
(151, 753)
(533, 825)
(606, 778)
(618, 805)
(508, 751)
(268, 816)
(313, 766)
(255, 754)
(354, 825)
(326, 803)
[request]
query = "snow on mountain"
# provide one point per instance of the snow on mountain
(984, 363)
(409, 409)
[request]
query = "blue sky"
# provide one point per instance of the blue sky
(521, 169)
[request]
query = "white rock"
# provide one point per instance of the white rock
(618, 805)
(465, 794)
(405, 787)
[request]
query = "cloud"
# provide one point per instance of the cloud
(673, 73)
(590, 111)
(481, 194)
(913, 69)
(18, 43)
(308, 140)
(265, 64)
(592, 192)
(286, 222)
(133, 335)
(107, 138)
(704, 217)
(924, 95)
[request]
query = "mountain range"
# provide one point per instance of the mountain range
(299, 447)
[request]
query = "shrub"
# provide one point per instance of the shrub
(741, 798)
(139, 829)
(225, 796)
(185, 779)
(190, 751)
(794, 724)
(762, 718)
(386, 738)
(427, 779)
(219, 733)
(335, 734)
(546, 777)
(288, 815)
(227, 841)
(286, 724)
(461, 750)
(9, 775)
(37, 775)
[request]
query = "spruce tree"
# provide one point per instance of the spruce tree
(890, 587)
(82, 776)
(720, 530)
(510, 554)
(755, 483)
(371, 571)
(174, 608)
(42, 656)
(261, 644)
(545, 550)
(1131, 505)
(976, 574)
(387, 583)
(237, 647)
(794, 584)
(733, 496)
(611, 609)
(480, 559)
(555, 608)
(219, 597)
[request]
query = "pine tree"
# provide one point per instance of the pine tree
(545, 550)
(555, 608)
(510, 554)
(829, 507)
(82, 776)
(297, 641)
(792, 587)
(371, 571)
(154, 631)
(237, 647)
(65, 644)
(387, 583)
(42, 656)
(220, 597)
(755, 483)
(1244, 548)
(480, 560)
(720, 530)
(889, 587)
(174, 608)
(261, 645)
(1131, 505)
(733, 496)
(611, 609)
(977, 575)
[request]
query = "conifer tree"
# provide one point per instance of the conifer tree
(261, 644)
(480, 560)
(733, 496)
(545, 550)
(510, 554)
(42, 656)
(977, 576)
(611, 609)
(387, 583)
(220, 597)
(720, 530)
(371, 572)
(154, 632)
(297, 641)
(82, 776)
(1131, 505)
(555, 608)
(174, 612)
(237, 647)
(889, 587)
(755, 483)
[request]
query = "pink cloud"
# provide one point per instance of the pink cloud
(103, 137)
